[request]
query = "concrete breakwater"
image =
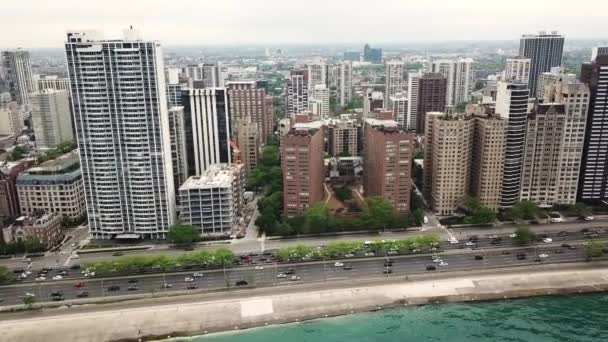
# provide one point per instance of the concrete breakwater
(191, 316)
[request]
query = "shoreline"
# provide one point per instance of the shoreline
(122, 322)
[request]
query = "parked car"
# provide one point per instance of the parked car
(479, 257)
(82, 294)
(431, 268)
(521, 256)
(133, 287)
(113, 288)
(348, 268)
(241, 283)
(338, 264)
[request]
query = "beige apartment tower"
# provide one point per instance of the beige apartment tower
(248, 141)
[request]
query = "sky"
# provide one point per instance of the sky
(43, 23)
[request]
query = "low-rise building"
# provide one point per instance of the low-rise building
(213, 201)
(9, 200)
(54, 186)
(45, 228)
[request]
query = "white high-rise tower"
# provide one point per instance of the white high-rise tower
(122, 127)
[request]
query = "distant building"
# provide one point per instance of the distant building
(11, 121)
(248, 141)
(9, 199)
(460, 76)
(547, 78)
(319, 102)
(175, 95)
(177, 131)
(54, 186)
(399, 104)
(372, 55)
(44, 82)
(432, 89)
(317, 75)
(344, 83)
(249, 99)
(353, 56)
(51, 118)
(388, 154)
(45, 228)
(303, 169)
(213, 201)
(18, 70)
(412, 104)
(204, 75)
(394, 78)
(517, 69)
(343, 136)
(207, 127)
(296, 92)
(545, 52)
(372, 101)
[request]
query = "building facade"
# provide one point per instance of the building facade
(177, 129)
(545, 52)
(372, 55)
(18, 70)
(51, 118)
(432, 90)
(54, 186)
(296, 92)
(11, 121)
(399, 105)
(213, 201)
(248, 141)
(122, 127)
(394, 78)
(319, 102)
(9, 199)
(303, 169)
(388, 154)
(517, 69)
(45, 228)
(412, 103)
(343, 137)
(460, 76)
(44, 82)
(248, 99)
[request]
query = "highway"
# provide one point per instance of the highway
(458, 259)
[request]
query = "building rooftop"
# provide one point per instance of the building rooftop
(308, 125)
(216, 176)
(378, 122)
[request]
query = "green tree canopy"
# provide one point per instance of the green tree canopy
(5, 275)
(183, 234)
(594, 249)
(378, 212)
(318, 218)
(523, 210)
(523, 235)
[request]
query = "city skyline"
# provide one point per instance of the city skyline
(238, 22)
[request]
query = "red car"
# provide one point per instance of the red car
(78, 285)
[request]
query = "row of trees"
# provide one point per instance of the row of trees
(478, 214)
(23, 246)
(60, 149)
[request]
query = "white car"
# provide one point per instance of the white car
(294, 278)
(589, 218)
(281, 276)
(369, 254)
(443, 263)
(338, 264)
(392, 252)
(547, 240)
(437, 261)
(197, 275)
(513, 235)
(350, 255)
(543, 256)
(40, 278)
(259, 267)
(453, 241)
(470, 243)
(57, 277)
(188, 279)
(556, 220)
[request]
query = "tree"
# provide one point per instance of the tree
(318, 218)
(523, 210)
(472, 203)
(18, 153)
(523, 235)
(594, 249)
(34, 246)
(418, 217)
(5, 275)
(29, 299)
(378, 212)
(183, 234)
(483, 215)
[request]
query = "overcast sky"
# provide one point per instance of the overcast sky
(43, 23)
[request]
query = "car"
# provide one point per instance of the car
(350, 255)
(259, 267)
(291, 271)
(558, 251)
(166, 286)
(78, 284)
(82, 294)
(75, 256)
(191, 286)
(117, 254)
(294, 278)
(58, 298)
(562, 233)
(565, 245)
(188, 248)
(113, 288)
(40, 279)
(241, 283)
(443, 264)
(63, 273)
(453, 241)
(23, 276)
(75, 267)
(133, 281)
(188, 279)
(589, 218)
(437, 260)
(56, 293)
(338, 264)
(347, 268)
(133, 287)
(18, 270)
(370, 254)
(470, 243)
(547, 240)
(392, 252)
(543, 256)
(387, 270)
(513, 235)
(538, 259)
(521, 256)
(479, 257)
(431, 268)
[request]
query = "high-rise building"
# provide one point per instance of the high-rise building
(122, 125)
(248, 141)
(343, 137)
(204, 75)
(412, 103)
(296, 92)
(248, 99)
(175, 95)
(207, 127)
(51, 118)
(11, 122)
(394, 81)
(449, 149)
(388, 154)
(44, 82)
(517, 69)
(547, 78)
(399, 105)
(512, 105)
(317, 75)
(371, 101)
(599, 51)
(372, 55)
(544, 50)
(320, 101)
(177, 129)
(488, 159)
(344, 83)
(18, 70)
(213, 201)
(460, 76)
(303, 169)
(593, 182)
(431, 97)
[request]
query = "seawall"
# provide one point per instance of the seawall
(192, 315)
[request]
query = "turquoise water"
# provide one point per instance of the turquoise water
(546, 319)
